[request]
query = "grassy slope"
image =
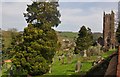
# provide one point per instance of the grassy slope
(69, 35)
(68, 68)
(105, 55)
(73, 35)
(6, 38)
(96, 35)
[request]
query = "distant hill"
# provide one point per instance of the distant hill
(73, 35)
(97, 35)
(7, 37)
(67, 35)
(61, 35)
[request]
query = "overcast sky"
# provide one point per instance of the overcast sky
(73, 14)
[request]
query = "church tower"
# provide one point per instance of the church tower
(109, 30)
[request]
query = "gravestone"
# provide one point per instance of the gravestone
(78, 66)
(50, 70)
(62, 58)
(69, 57)
(98, 48)
(85, 53)
(53, 60)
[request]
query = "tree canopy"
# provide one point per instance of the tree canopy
(118, 33)
(43, 13)
(84, 40)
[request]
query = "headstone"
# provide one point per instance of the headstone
(78, 66)
(100, 60)
(69, 57)
(53, 60)
(85, 53)
(62, 58)
(98, 48)
(94, 63)
(50, 70)
(59, 57)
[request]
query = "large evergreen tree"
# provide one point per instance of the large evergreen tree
(84, 40)
(34, 55)
(118, 33)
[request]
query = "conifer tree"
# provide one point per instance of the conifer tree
(84, 40)
(34, 55)
(118, 33)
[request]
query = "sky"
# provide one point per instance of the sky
(63, 0)
(74, 14)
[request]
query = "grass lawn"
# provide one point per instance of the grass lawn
(68, 68)
(106, 54)
(0, 72)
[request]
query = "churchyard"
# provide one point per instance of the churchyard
(68, 67)
(57, 68)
